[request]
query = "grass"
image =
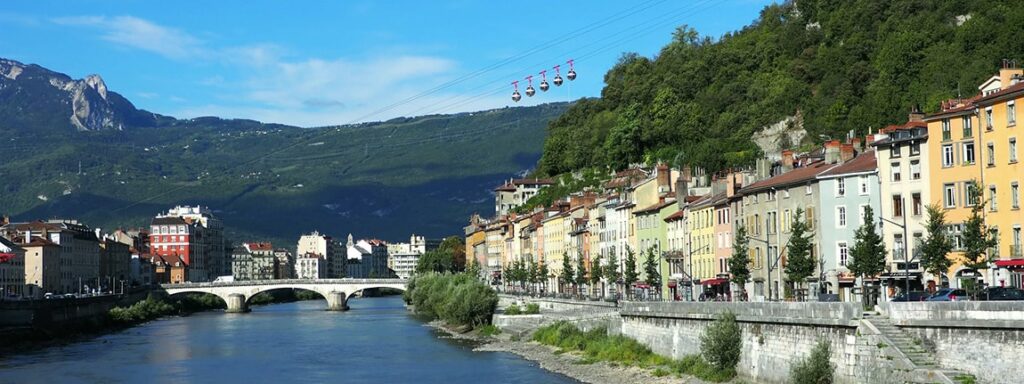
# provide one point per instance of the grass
(965, 379)
(513, 310)
(489, 330)
(882, 345)
(617, 350)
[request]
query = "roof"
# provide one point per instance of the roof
(260, 246)
(656, 207)
(675, 216)
(860, 164)
(709, 200)
(954, 107)
(995, 96)
(793, 177)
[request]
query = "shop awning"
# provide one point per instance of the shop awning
(714, 281)
(4, 257)
(672, 284)
(1010, 264)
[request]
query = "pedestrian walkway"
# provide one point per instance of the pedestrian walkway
(926, 365)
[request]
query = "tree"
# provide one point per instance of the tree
(568, 277)
(651, 272)
(868, 251)
(474, 269)
(800, 263)
(543, 273)
(978, 239)
(739, 263)
(630, 275)
(439, 261)
(936, 247)
(455, 246)
(581, 272)
(611, 269)
(596, 271)
(531, 274)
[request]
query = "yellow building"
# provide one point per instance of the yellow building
(554, 246)
(973, 143)
(702, 233)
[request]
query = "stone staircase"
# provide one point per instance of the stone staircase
(927, 369)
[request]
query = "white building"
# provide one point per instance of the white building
(320, 244)
(310, 266)
(404, 264)
(12, 269)
(515, 192)
(367, 258)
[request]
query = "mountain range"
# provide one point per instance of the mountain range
(72, 148)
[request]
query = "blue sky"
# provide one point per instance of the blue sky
(318, 63)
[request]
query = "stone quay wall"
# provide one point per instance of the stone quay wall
(775, 337)
(983, 338)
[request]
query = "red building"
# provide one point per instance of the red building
(176, 242)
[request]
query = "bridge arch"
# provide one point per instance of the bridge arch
(360, 288)
(181, 293)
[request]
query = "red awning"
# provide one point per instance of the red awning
(672, 284)
(1010, 264)
(4, 257)
(714, 281)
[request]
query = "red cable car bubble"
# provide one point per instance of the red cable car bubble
(558, 77)
(544, 81)
(515, 91)
(529, 88)
(571, 75)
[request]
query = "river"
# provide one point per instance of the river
(377, 341)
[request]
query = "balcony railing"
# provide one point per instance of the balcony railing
(1015, 251)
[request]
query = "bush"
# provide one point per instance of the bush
(532, 308)
(457, 299)
(513, 310)
(142, 311)
(815, 368)
(489, 330)
(721, 343)
(696, 366)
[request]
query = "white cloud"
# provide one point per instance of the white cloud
(139, 33)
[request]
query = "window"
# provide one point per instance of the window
(897, 205)
(841, 216)
(787, 221)
(785, 193)
(1011, 113)
(861, 214)
(1015, 246)
(916, 205)
(970, 194)
(863, 184)
(988, 118)
(897, 174)
(840, 187)
(915, 170)
(915, 149)
(955, 232)
(947, 155)
(991, 154)
(1013, 150)
(894, 151)
(843, 252)
(897, 247)
(807, 189)
(966, 121)
(992, 198)
(946, 131)
(968, 154)
(1014, 196)
(949, 196)
(771, 195)
(809, 217)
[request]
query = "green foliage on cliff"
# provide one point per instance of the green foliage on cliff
(842, 65)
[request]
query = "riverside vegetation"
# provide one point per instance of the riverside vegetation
(458, 299)
(720, 349)
(153, 308)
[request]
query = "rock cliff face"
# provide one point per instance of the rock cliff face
(33, 97)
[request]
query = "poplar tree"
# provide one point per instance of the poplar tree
(630, 275)
(568, 276)
(978, 239)
(800, 263)
(653, 276)
(934, 250)
(581, 272)
(596, 271)
(739, 263)
(868, 251)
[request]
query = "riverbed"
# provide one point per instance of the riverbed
(377, 341)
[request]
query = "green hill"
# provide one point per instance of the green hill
(840, 65)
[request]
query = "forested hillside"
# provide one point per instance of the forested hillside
(840, 64)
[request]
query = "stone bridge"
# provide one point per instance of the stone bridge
(238, 293)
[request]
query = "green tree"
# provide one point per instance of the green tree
(978, 240)
(439, 261)
(532, 273)
(799, 264)
(651, 270)
(934, 250)
(722, 342)
(596, 271)
(568, 277)
(456, 247)
(630, 275)
(739, 263)
(474, 269)
(868, 252)
(543, 274)
(611, 270)
(581, 272)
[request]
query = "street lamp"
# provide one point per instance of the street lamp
(906, 243)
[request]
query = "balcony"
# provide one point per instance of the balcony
(1015, 251)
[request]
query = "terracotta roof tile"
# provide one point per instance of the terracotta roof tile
(863, 163)
(793, 177)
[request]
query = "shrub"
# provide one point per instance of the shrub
(489, 330)
(457, 299)
(513, 310)
(532, 309)
(721, 343)
(815, 368)
(142, 311)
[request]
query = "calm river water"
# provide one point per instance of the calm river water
(377, 341)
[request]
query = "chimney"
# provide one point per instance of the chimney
(664, 178)
(28, 237)
(733, 183)
(681, 190)
(1007, 73)
(787, 160)
(845, 153)
(915, 114)
(832, 151)
(857, 144)
(5, 220)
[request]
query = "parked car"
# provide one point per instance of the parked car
(1000, 294)
(69, 295)
(949, 294)
(914, 296)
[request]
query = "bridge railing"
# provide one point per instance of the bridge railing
(246, 283)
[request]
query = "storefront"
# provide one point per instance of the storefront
(1010, 273)
(716, 289)
(896, 282)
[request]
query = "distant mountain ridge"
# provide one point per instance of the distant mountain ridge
(76, 149)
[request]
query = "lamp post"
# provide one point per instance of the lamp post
(906, 244)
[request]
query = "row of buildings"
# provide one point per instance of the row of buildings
(962, 155)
